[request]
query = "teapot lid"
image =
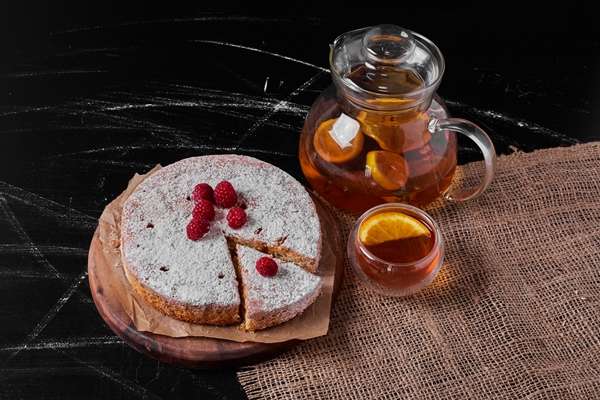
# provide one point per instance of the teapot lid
(386, 59)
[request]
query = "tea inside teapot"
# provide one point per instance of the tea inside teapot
(369, 137)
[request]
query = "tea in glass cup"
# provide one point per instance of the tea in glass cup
(395, 249)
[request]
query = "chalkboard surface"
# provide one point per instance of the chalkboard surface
(93, 92)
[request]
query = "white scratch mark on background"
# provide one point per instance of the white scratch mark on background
(68, 344)
(7, 248)
(50, 208)
(27, 249)
(215, 18)
(238, 46)
(275, 109)
(139, 390)
(18, 229)
(510, 120)
(56, 72)
(51, 314)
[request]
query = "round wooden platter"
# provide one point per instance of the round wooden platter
(193, 351)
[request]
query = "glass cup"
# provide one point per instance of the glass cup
(400, 267)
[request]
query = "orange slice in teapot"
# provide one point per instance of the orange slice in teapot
(330, 150)
(389, 170)
(395, 131)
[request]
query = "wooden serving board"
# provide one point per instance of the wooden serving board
(192, 351)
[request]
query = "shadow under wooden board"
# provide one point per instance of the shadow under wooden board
(193, 351)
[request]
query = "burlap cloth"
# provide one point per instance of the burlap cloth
(513, 314)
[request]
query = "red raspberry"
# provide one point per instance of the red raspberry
(203, 191)
(266, 266)
(236, 218)
(197, 228)
(205, 209)
(225, 195)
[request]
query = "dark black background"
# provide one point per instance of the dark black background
(92, 92)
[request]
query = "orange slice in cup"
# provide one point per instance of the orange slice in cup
(389, 226)
(389, 170)
(329, 150)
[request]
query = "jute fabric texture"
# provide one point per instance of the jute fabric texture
(513, 314)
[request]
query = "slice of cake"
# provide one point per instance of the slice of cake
(275, 296)
(169, 278)
(189, 273)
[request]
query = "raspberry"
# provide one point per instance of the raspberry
(266, 266)
(236, 218)
(205, 209)
(203, 191)
(225, 195)
(197, 228)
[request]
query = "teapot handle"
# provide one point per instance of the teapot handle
(484, 142)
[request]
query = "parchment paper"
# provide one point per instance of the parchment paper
(313, 322)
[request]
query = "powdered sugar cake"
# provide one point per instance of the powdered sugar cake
(196, 281)
(271, 300)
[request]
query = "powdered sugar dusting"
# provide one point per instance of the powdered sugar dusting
(157, 250)
(292, 288)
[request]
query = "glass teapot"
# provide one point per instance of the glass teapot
(380, 133)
